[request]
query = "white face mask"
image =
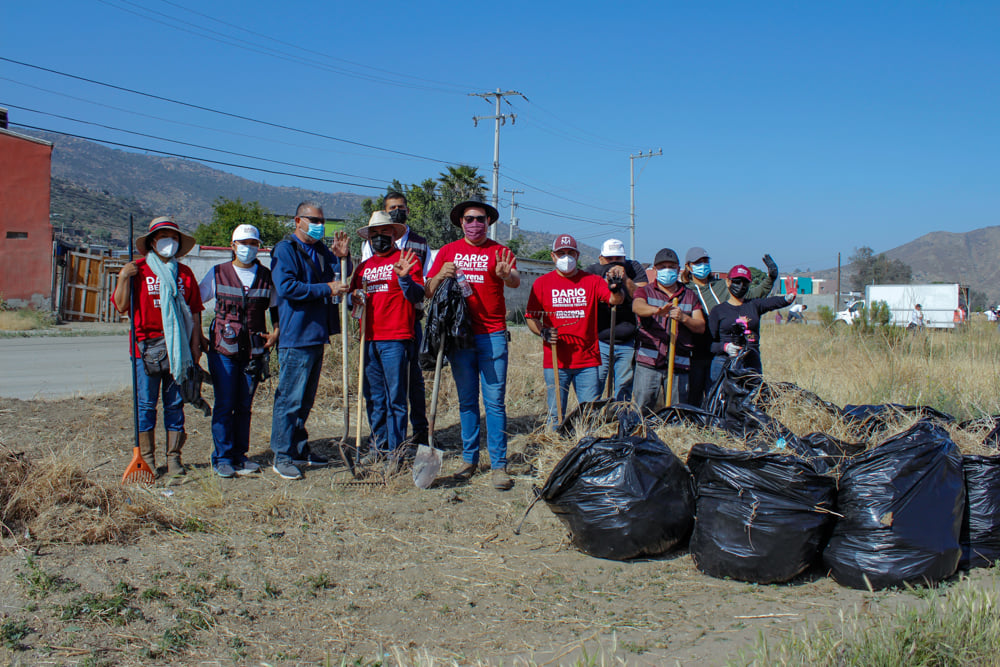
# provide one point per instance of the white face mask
(566, 263)
(246, 253)
(167, 247)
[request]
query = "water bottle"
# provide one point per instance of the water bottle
(463, 283)
(336, 279)
(358, 309)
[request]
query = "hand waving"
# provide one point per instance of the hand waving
(407, 260)
(341, 245)
(505, 263)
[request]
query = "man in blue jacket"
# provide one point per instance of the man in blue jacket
(303, 271)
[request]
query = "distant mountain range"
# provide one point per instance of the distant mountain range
(968, 258)
(95, 188)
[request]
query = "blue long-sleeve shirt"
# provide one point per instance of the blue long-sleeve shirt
(306, 312)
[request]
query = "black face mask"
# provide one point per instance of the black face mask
(739, 288)
(398, 216)
(381, 243)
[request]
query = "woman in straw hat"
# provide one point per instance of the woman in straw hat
(167, 332)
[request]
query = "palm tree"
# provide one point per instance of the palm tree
(462, 183)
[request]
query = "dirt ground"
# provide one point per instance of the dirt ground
(268, 571)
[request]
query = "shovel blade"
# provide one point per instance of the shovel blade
(426, 466)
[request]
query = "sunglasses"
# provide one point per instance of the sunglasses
(474, 218)
(313, 219)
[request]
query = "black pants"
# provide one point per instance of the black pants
(698, 379)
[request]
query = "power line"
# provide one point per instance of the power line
(227, 114)
(552, 194)
(189, 144)
(557, 214)
(198, 159)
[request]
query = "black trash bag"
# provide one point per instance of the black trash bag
(828, 454)
(760, 517)
(446, 323)
(980, 537)
(880, 415)
(622, 497)
(191, 389)
(688, 415)
(902, 505)
(594, 414)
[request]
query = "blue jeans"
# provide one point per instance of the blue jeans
(483, 366)
(149, 390)
(418, 396)
(234, 390)
(624, 361)
(648, 382)
(293, 399)
(585, 384)
(385, 387)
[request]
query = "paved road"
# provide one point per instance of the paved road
(63, 366)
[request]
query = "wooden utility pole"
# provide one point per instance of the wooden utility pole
(631, 192)
(499, 119)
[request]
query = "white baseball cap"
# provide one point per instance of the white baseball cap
(613, 248)
(246, 233)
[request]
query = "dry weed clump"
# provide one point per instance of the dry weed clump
(53, 500)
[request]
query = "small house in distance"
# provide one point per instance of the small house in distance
(25, 229)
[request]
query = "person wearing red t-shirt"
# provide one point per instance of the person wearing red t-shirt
(562, 308)
(390, 282)
(168, 307)
(486, 267)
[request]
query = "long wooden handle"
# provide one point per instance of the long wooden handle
(361, 378)
(431, 418)
(344, 347)
(555, 374)
(668, 399)
(611, 353)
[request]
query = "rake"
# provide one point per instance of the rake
(137, 471)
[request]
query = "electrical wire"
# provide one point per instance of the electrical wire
(227, 114)
(198, 159)
(557, 214)
(191, 145)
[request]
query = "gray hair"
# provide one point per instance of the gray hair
(307, 204)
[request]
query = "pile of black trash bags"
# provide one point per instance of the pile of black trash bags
(911, 510)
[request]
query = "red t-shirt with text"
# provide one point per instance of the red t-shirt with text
(570, 305)
(148, 316)
(487, 307)
(389, 316)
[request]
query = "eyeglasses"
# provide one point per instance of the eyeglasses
(312, 219)
(474, 218)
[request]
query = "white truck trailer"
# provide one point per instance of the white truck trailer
(938, 303)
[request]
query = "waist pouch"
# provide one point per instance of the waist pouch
(154, 356)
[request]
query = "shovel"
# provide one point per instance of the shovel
(345, 454)
(555, 374)
(669, 398)
(427, 463)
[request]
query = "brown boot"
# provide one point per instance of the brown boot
(147, 448)
(175, 441)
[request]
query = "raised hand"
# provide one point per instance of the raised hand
(341, 245)
(407, 260)
(505, 263)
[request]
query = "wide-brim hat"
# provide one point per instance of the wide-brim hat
(456, 213)
(142, 244)
(382, 219)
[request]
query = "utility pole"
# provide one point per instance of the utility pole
(500, 119)
(631, 191)
(836, 305)
(513, 213)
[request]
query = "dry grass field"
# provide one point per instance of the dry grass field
(258, 570)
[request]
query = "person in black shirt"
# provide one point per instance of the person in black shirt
(735, 324)
(614, 267)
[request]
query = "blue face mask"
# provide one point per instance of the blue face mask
(701, 271)
(666, 277)
(317, 230)
(246, 253)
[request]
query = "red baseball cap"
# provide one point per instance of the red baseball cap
(740, 271)
(564, 241)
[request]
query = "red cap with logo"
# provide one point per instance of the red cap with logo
(740, 271)
(564, 241)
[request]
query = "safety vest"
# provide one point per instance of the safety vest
(239, 312)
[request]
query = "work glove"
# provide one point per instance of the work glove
(731, 349)
(772, 268)
(790, 297)
(550, 335)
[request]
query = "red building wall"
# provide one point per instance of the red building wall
(25, 230)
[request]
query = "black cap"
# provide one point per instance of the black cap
(459, 210)
(666, 255)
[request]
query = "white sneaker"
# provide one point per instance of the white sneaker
(248, 467)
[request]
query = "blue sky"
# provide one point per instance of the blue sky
(802, 129)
